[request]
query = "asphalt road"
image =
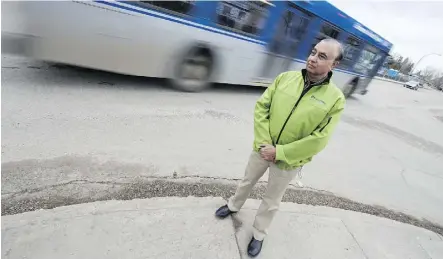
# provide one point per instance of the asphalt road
(70, 133)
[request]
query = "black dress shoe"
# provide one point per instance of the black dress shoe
(254, 247)
(223, 212)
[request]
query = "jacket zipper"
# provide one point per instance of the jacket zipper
(293, 109)
(290, 114)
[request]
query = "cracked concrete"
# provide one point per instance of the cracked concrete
(411, 139)
(174, 227)
(83, 191)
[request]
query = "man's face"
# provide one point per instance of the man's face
(322, 58)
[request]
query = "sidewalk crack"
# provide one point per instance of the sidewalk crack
(355, 239)
(236, 224)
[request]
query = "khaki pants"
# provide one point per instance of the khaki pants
(277, 183)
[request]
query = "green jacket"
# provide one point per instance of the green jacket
(299, 128)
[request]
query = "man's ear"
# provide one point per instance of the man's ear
(335, 64)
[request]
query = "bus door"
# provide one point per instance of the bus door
(283, 47)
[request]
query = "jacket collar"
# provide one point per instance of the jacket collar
(324, 81)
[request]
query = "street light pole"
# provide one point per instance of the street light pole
(416, 64)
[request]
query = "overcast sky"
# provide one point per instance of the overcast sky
(414, 27)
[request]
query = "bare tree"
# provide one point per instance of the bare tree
(404, 65)
(396, 61)
(437, 81)
(429, 74)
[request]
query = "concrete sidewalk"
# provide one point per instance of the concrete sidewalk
(187, 228)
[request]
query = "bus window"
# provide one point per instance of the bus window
(326, 31)
(289, 35)
(242, 16)
(368, 60)
(181, 7)
(350, 51)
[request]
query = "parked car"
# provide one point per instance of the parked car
(414, 85)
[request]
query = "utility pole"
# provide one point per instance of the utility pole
(412, 70)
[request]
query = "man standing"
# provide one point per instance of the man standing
(293, 121)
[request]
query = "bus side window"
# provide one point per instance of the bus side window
(242, 16)
(326, 31)
(367, 61)
(181, 7)
(350, 51)
(290, 33)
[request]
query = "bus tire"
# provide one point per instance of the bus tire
(195, 69)
(350, 87)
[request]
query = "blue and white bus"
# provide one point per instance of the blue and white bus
(197, 43)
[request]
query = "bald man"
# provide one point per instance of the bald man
(293, 121)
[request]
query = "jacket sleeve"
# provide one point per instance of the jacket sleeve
(311, 145)
(261, 114)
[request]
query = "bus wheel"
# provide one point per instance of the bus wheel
(193, 73)
(349, 89)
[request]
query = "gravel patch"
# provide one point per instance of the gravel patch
(83, 192)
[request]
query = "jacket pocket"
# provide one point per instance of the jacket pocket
(316, 102)
(329, 120)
